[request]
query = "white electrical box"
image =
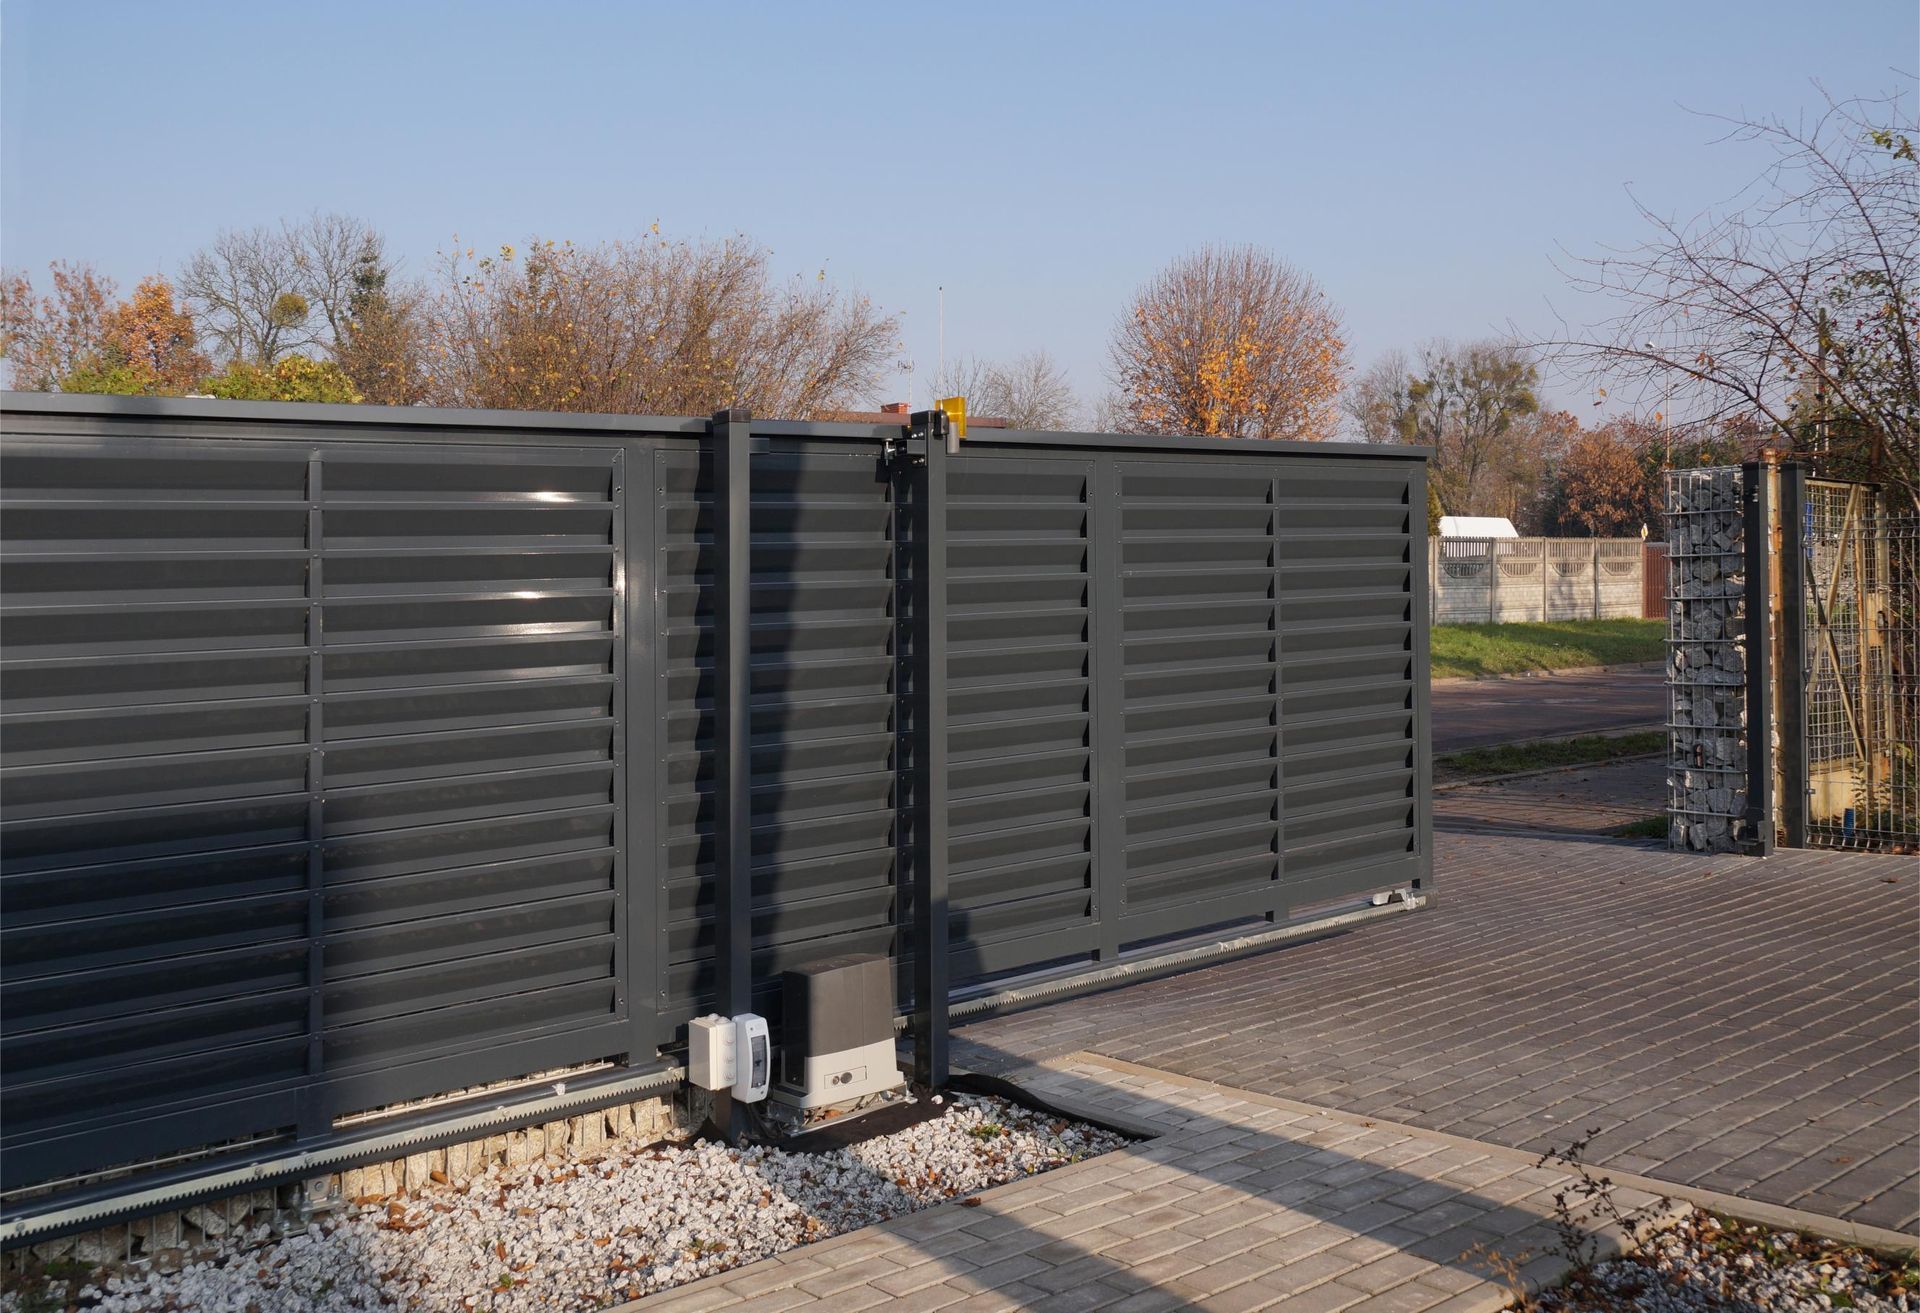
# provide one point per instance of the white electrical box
(710, 1053)
(752, 1058)
(730, 1053)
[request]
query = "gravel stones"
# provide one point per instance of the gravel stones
(591, 1228)
(1705, 1263)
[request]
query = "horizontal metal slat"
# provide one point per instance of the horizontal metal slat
(135, 988)
(476, 1024)
(463, 890)
(468, 979)
(123, 836)
(365, 808)
(453, 844)
(36, 738)
(454, 936)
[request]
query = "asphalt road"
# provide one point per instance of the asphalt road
(1473, 714)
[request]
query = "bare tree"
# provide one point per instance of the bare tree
(1375, 400)
(337, 256)
(1030, 391)
(248, 294)
(1111, 414)
(666, 327)
(269, 292)
(1796, 302)
(1233, 342)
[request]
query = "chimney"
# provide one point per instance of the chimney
(897, 408)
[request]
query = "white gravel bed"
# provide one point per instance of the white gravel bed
(584, 1232)
(1705, 1263)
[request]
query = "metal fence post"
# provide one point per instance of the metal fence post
(731, 434)
(930, 921)
(1421, 597)
(1756, 503)
(316, 1119)
(1793, 675)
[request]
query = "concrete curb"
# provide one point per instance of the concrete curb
(1447, 680)
(1779, 1216)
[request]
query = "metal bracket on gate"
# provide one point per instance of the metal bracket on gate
(924, 426)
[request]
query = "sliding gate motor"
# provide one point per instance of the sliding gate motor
(837, 1032)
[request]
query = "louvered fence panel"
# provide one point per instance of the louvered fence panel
(1019, 608)
(470, 722)
(1349, 580)
(311, 783)
(823, 826)
(1199, 663)
(154, 896)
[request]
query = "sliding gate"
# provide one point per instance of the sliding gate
(356, 756)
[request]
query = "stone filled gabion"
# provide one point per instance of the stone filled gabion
(1706, 659)
(585, 1227)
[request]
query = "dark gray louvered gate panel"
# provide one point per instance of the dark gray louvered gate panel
(311, 783)
(1270, 683)
(1349, 588)
(1019, 706)
(824, 839)
(1200, 676)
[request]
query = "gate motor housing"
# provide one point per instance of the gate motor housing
(837, 1032)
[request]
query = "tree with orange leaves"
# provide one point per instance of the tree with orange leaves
(154, 338)
(1230, 342)
(77, 339)
(46, 338)
(1602, 490)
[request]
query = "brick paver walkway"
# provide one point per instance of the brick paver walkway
(1741, 1025)
(1595, 800)
(1240, 1203)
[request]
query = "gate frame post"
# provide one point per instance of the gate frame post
(1756, 494)
(1420, 598)
(1791, 723)
(930, 930)
(731, 434)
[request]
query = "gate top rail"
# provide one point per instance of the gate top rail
(515, 423)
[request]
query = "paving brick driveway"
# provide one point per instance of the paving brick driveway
(1743, 1025)
(1472, 713)
(1591, 800)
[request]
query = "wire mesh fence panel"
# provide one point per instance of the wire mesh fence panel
(1863, 685)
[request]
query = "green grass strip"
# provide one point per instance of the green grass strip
(1518, 649)
(1587, 750)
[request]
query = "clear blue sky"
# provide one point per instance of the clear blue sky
(1422, 160)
